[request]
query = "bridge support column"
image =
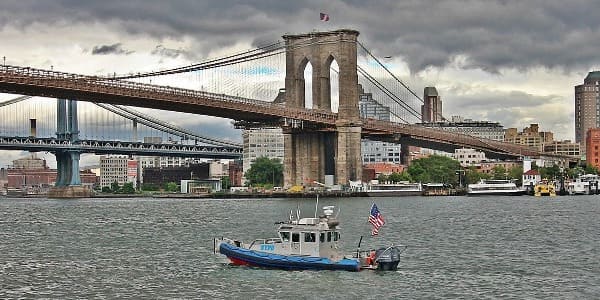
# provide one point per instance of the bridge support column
(311, 154)
(348, 162)
(404, 154)
(68, 179)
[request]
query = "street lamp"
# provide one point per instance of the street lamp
(460, 177)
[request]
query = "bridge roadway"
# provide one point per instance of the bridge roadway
(119, 147)
(47, 83)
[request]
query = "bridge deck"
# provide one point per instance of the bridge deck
(46, 83)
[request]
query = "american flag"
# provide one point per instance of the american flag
(376, 219)
(324, 17)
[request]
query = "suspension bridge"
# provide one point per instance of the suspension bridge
(107, 129)
(307, 84)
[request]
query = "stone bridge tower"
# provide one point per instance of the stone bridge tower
(312, 153)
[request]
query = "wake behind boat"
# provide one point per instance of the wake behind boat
(504, 187)
(307, 244)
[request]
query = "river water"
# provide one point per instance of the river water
(458, 248)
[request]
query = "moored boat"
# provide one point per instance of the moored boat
(307, 244)
(583, 185)
(403, 188)
(484, 187)
(544, 188)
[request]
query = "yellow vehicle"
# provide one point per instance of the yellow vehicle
(544, 188)
(296, 189)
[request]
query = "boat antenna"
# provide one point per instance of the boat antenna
(317, 205)
(298, 211)
(291, 217)
(358, 248)
(336, 215)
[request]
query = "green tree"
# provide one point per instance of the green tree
(499, 172)
(171, 187)
(394, 177)
(382, 178)
(106, 189)
(550, 172)
(149, 187)
(128, 188)
(404, 176)
(115, 188)
(589, 169)
(225, 183)
(435, 168)
(517, 174)
(472, 176)
(265, 171)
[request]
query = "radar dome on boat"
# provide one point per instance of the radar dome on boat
(328, 210)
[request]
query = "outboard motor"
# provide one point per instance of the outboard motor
(387, 258)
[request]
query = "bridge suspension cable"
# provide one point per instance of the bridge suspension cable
(15, 100)
(390, 94)
(245, 56)
(393, 76)
(163, 126)
(249, 55)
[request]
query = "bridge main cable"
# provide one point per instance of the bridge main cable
(160, 125)
(249, 55)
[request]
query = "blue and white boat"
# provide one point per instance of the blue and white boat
(307, 244)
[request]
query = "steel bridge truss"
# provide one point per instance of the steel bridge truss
(118, 147)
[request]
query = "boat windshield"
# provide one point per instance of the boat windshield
(333, 235)
(309, 237)
(295, 237)
(285, 236)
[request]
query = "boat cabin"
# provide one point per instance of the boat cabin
(317, 237)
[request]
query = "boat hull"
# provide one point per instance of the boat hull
(393, 193)
(496, 193)
(243, 256)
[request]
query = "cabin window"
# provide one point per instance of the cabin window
(322, 237)
(296, 237)
(285, 236)
(309, 237)
(329, 236)
(336, 236)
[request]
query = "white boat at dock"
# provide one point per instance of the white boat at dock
(484, 187)
(584, 185)
(403, 188)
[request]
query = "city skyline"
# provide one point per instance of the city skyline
(509, 62)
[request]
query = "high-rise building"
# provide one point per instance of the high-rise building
(119, 169)
(587, 106)
(373, 151)
(264, 142)
(431, 110)
(592, 142)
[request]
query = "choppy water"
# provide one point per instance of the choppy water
(458, 247)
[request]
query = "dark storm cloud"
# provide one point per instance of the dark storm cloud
(490, 34)
(110, 49)
(166, 52)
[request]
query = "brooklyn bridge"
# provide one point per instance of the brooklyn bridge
(263, 87)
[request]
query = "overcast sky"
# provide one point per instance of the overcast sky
(513, 62)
